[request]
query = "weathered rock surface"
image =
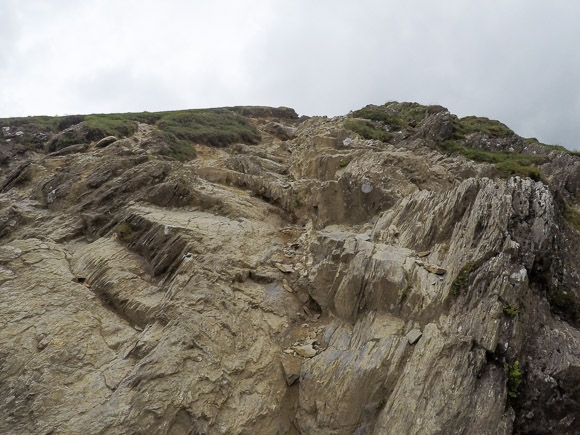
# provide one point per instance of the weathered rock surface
(315, 283)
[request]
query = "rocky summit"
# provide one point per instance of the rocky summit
(244, 270)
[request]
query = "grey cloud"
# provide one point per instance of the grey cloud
(122, 90)
(8, 33)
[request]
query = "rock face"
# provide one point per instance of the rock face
(316, 283)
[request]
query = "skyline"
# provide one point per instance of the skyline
(513, 60)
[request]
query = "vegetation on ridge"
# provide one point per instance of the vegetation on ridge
(368, 130)
(507, 164)
(179, 129)
(514, 379)
(377, 122)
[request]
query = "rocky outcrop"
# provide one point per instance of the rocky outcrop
(319, 282)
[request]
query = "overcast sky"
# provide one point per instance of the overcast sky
(513, 60)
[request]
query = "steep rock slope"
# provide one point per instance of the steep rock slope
(243, 270)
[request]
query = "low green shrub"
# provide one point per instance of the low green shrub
(507, 164)
(510, 310)
(480, 124)
(368, 129)
(514, 379)
(216, 127)
(177, 149)
(378, 115)
(100, 126)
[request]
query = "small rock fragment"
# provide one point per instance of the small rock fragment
(286, 268)
(287, 286)
(432, 268)
(413, 336)
(394, 231)
(366, 187)
(305, 350)
(423, 254)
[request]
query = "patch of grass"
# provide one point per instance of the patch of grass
(379, 115)
(572, 217)
(177, 149)
(100, 126)
(510, 310)
(480, 124)
(507, 164)
(396, 116)
(42, 123)
(30, 126)
(461, 281)
(125, 232)
(534, 141)
(412, 113)
(343, 163)
(514, 379)
(68, 121)
(216, 127)
(509, 168)
(368, 129)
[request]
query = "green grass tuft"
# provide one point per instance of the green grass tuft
(461, 281)
(368, 129)
(378, 115)
(177, 149)
(514, 379)
(507, 164)
(216, 127)
(479, 124)
(343, 163)
(100, 126)
(510, 310)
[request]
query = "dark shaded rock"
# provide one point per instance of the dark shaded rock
(10, 219)
(266, 112)
(174, 193)
(72, 149)
(69, 121)
(19, 175)
(437, 127)
(280, 131)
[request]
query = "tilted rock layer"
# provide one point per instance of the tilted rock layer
(316, 282)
